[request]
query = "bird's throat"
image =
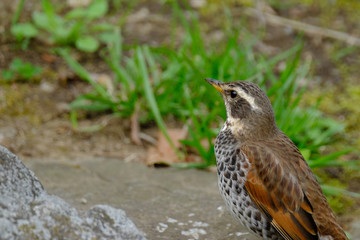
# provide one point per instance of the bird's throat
(243, 130)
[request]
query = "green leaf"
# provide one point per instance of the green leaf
(325, 160)
(97, 9)
(108, 37)
(306, 153)
(22, 30)
(93, 128)
(52, 18)
(24, 70)
(61, 35)
(82, 72)
(76, 13)
(103, 27)
(28, 71)
(40, 19)
(7, 75)
(331, 190)
(18, 12)
(16, 64)
(87, 44)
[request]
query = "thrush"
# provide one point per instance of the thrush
(263, 178)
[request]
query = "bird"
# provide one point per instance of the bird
(263, 178)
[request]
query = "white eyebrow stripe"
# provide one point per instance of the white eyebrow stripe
(248, 98)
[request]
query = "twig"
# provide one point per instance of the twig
(135, 126)
(306, 28)
(148, 138)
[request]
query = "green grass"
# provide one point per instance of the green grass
(169, 81)
(77, 28)
(20, 71)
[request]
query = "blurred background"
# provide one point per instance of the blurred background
(125, 79)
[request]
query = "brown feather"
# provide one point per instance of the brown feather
(288, 216)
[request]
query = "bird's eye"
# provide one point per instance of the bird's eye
(233, 94)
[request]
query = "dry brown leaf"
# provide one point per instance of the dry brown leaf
(49, 58)
(163, 154)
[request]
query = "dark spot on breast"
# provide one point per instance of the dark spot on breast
(241, 173)
(233, 160)
(238, 189)
(227, 191)
(257, 216)
(231, 168)
(227, 174)
(221, 166)
(252, 227)
(267, 225)
(234, 177)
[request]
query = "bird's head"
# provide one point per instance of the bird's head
(249, 111)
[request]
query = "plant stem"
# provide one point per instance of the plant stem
(17, 13)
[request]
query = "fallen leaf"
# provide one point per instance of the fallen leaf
(49, 58)
(163, 154)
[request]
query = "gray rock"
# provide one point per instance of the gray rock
(165, 203)
(28, 212)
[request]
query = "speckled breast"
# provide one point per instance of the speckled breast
(232, 168)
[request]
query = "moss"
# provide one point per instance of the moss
(17, 100)
(341, 103)
(13, 100)
(340, 204)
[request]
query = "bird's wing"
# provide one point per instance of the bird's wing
(278, 194)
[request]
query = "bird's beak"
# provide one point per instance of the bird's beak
(216, 84)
